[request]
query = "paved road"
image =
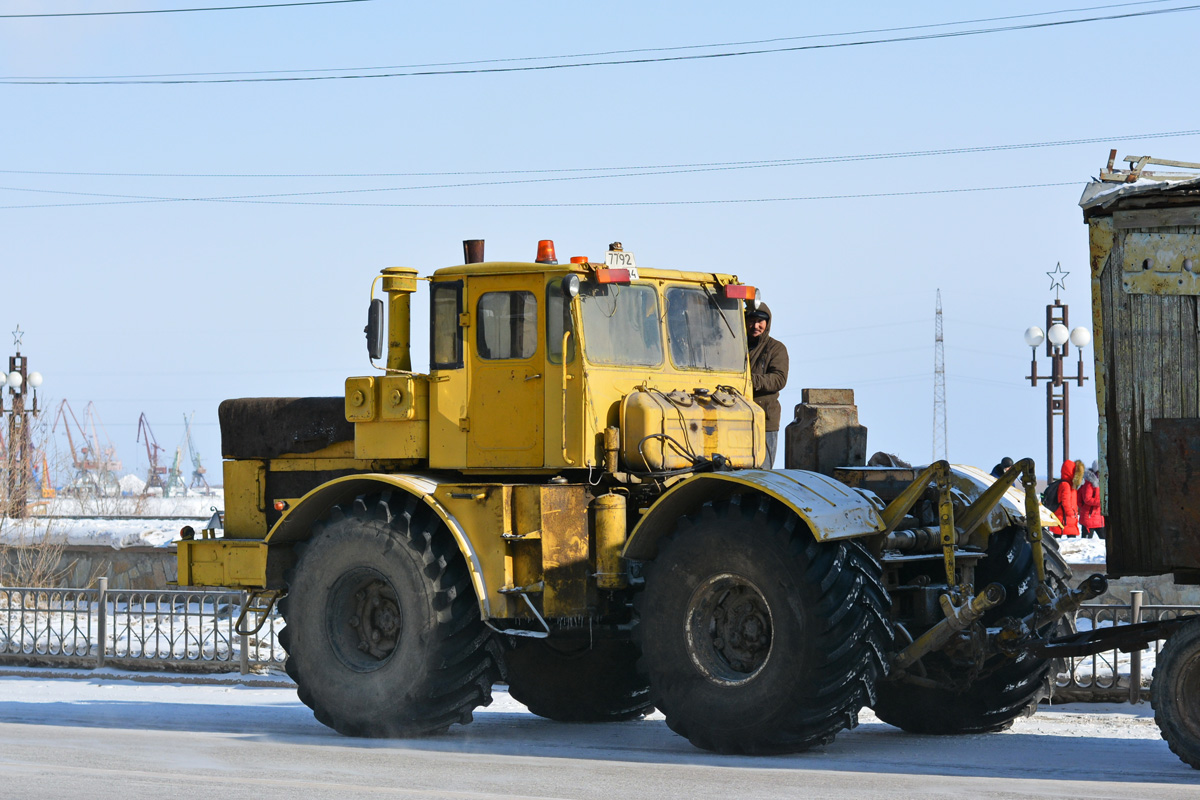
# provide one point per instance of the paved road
(109, 738)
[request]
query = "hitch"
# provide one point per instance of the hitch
(1016, 636)
(1092, 587)
(1126, 638)
(957, 618)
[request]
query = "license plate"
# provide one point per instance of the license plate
(619, 259)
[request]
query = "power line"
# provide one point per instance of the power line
(824, 332)
(857, 382)
(988, 353)
(631, 203)
(374, 190)
(709, 166)
(870, 354)
(600, 53)
(177, 10)
(988, 381)
(578, 64)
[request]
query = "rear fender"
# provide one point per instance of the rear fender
(296, 524)
(972, 482)
(831, 509)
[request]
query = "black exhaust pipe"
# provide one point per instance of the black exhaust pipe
(472, 251)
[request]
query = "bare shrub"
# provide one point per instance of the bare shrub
(31, 555)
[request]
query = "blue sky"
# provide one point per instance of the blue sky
(169, 307)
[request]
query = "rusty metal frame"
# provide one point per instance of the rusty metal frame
(1138, 163)
(975, 514)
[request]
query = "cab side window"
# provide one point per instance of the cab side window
(445, 334)
(507, 325)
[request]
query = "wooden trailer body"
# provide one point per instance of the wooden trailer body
(1144, 236)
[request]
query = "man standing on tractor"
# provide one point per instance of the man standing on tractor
(768, 370)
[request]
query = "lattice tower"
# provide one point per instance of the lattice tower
(939, 385)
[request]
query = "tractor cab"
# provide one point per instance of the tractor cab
(546, 367)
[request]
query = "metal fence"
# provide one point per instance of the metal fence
(195, 630)
(1113, 676)
(188, 630)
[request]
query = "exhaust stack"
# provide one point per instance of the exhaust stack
(400, 283)
(472, 251)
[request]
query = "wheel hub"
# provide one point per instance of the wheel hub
(364, 620)
(729, 629)
(376, 620)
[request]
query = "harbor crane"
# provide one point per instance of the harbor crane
(154, 473)
(198, 470)
(94, 468)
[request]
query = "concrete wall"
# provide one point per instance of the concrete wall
(1159, 589)
(129, 568)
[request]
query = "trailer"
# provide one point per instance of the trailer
(1144, 238)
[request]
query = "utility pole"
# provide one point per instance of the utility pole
(19, 466)
(939, 386)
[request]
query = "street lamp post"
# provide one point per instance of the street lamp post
(20, 382)
(1058, 337)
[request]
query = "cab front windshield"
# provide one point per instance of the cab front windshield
(705, 331)
(623, 325)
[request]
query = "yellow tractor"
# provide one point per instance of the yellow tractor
(573, 500)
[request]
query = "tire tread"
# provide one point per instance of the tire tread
(462, 664)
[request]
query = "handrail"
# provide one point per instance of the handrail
(565, 377)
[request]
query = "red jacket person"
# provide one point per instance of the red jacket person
(1068, 499)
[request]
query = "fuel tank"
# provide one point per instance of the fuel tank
(665, 430)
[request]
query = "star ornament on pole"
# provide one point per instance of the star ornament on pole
(1058, 279)
(18, 335)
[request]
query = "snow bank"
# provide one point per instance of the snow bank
(1077, 550)
(132, 504)
(114, 533)
(116, 522)
(131, 484)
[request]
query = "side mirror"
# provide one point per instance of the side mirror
(374, 329)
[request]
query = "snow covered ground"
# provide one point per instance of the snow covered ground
(1077, 550)
(132, 503)
(114, 533)
(117, 522)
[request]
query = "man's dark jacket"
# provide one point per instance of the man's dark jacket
(769, 371)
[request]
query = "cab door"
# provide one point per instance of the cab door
(506, 405)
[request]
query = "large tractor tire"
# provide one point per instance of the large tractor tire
(1175, 693)
(585, 683)
(756, 637)
(383, 634)
(1007, 687)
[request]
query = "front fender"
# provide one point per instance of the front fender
(831, 509)
(296, 524)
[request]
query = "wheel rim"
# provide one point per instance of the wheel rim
(729, 630)
(1187, 689)
(364, 620)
